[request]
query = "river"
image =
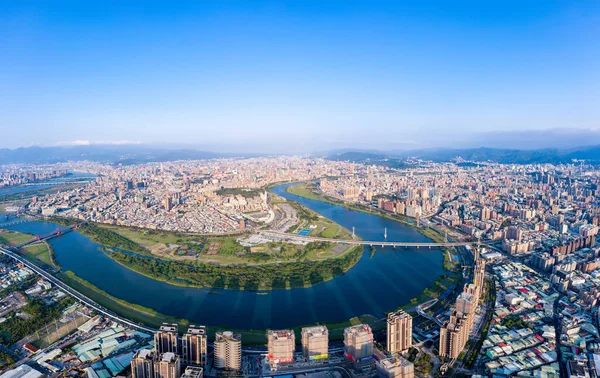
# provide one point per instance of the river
(373, 286)
(30, 190)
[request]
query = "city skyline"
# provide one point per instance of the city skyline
(272, 75)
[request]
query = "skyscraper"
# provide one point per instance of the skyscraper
(315, 342)
(167, 366)
(358, 342)
(166, 339)
(453, 335)
(399, 332)
(282, 345)
(479, 277)
(228, 350)
(142, 364)
(193, 346)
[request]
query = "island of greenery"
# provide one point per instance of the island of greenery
(246, 277)
(227, 261)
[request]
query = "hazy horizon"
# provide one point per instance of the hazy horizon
(300, 77)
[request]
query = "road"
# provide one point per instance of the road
(75, 294)
(287, 236)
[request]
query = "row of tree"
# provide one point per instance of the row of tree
(248, 277)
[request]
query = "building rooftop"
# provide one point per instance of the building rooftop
(196, 330)
(281, 334)
(316, 330)
(168, 357)
(168, 327)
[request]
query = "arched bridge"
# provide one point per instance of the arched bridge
(283, 235)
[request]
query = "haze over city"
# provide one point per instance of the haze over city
(270, 75)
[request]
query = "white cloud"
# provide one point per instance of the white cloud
(80, 142)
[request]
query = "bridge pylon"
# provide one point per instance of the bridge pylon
(352, 232)
(385, 233)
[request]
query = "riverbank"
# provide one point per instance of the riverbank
(302, 190)
(347, 296)
(241, 277)
(131, 311)
(152, 318)
(451, 265)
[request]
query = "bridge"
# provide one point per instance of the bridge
(14, 223)
(54, 234)
(283, 235)
(74, 293)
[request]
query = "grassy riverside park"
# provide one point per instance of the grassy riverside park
(41, 251)
(146, 242)
(153, 318)
(8, 237)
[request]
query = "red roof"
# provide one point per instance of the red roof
(31, 348)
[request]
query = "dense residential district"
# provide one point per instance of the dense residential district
(523, 299)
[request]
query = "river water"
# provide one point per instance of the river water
(373, 286)
(30, 189)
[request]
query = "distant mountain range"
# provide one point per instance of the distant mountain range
(112, 154)
(133, 154)
(591, 154)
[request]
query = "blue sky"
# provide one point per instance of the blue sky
(296, 75)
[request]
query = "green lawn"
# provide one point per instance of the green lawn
(435, 290)
(302, 190)
(156, 243)
(12, 237)
(38, 252)
(149, 238)
(331, 232)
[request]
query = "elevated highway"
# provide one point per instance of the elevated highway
(286, 236)
(74, 293)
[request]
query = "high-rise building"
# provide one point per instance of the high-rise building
(166, 339)
(167, 366)
(142, 364)
(453, 335)
(315, 342)
(479, 277)
(399, 332)
(281, 346)
(358, 342)
(168, 203)
(193, 372)
(485, 213)
(193, 346)
(465, 303)
(395, 367)
(228, 350)
(514, 233)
